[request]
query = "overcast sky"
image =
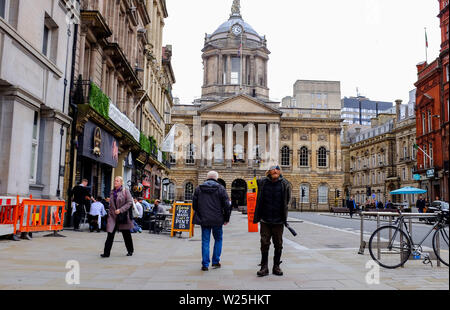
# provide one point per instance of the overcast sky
(374, 45)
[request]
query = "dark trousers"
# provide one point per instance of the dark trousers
(126, 237)
(274, 232)
(77, 216)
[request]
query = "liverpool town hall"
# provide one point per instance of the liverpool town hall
(236, 130)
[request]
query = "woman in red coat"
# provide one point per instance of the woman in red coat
(121, 202)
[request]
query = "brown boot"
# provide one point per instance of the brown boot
(264, 265)
(264, 271)
(277, 270)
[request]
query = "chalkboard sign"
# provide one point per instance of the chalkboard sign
(182, 218)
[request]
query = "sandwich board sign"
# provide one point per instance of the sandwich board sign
(183, 214)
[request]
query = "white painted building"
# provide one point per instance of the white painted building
(36, 46)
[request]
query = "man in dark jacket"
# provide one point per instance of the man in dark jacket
(272, 202)
(212, 211)
(351, 205)
(81, 196)
(420, 204)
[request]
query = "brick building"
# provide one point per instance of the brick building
(432, 120)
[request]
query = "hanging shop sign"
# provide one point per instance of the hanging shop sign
(99, 145)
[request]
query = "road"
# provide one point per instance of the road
(354, 225)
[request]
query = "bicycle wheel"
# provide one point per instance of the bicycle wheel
(442, 235)
(394, 247)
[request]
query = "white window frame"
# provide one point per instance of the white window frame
(321, 194)
(191, 191)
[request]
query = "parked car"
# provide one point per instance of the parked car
(436, 206)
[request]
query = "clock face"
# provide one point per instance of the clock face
(236, 29)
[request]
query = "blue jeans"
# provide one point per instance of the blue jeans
(206, 237)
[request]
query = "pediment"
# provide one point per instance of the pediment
(240, 104)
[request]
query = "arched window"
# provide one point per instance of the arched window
(285, 156)
(188, 191)
(304, 158)
(190, 154)
(323, 194)
(304, 193)
(322, 158)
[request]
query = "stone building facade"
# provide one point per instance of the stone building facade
(36, 44)
(236, 130)
(381, 158)
(118, 101)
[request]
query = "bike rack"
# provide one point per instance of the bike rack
(391, 215)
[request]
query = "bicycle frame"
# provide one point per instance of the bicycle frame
(401, 221)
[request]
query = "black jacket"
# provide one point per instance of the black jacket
(286, 198)
(211, 205)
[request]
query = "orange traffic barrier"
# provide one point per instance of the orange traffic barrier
(251, 206)
(41, 215)
(9, 212)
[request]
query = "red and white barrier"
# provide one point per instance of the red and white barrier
(8, 205)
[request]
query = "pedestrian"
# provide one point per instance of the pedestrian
(138, 212)
(212, 211)
(274, 195)
(96, 213)
(351, 205)
(81, 197)
(420, 204)
(157, 208)
(121, 202)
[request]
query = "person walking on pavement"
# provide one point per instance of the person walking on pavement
(351, 205)
(211, 211)
(274, 195)
(420, 204)
(121, 202)
(81, 197)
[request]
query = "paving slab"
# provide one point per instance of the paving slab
(320, 258)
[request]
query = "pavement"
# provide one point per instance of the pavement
(319, 258)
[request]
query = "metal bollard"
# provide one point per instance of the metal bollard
(378, 237)
(362, 245)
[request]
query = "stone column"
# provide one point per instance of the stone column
(93, 62)
(332, 148)
(274, 143)
(339, 151)
(250, 144)
(252, 70)
(229, 70)
(197, 138)
(104, 77)
(314, 148)
(209, 144)
(295, 148)
(228, 144)
(220, 70)
(82, 47)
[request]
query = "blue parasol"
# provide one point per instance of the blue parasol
(408, 190)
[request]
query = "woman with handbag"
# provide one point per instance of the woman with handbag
(119, 217)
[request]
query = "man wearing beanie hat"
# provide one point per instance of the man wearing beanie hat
(274, 195)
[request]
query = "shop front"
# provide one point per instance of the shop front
(98, 154)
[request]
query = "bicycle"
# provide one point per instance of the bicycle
(400, 243)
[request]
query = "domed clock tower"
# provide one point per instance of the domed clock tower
(235, 60)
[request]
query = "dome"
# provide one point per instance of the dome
(226, 26)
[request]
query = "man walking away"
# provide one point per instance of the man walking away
(81, 197)
(274, 195)
(212, 211)
(351, 206)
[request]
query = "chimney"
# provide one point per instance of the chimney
(398, 109)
